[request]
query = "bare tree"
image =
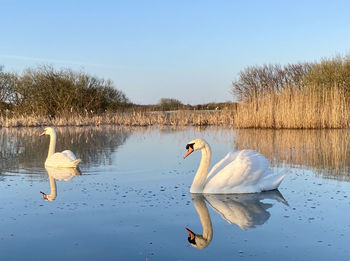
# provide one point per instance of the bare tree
(256, 82)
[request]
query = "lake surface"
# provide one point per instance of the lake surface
(132, 201)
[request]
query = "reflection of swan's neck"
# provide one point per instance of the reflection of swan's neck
(203, 240)
(202, 172)
(52, 145)
(53, 194)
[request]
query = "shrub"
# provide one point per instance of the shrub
(7, 84)
(329, 73)
(50, 92)
(168, 104)
(256, 82)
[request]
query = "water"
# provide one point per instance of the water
(132, 200)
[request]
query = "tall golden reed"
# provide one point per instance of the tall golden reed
(306, 109)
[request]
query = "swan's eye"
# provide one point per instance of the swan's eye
(189, 146)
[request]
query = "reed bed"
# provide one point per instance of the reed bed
(176, 118)
(309, 108)
(290, 109)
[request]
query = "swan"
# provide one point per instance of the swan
(65, 159)
(244, 210)
(65, 174)
(244, 171)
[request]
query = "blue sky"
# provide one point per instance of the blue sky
(188, 50)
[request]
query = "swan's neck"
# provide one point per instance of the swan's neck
(204, 217)
(52, 145)
(53, 193)
(202, 172)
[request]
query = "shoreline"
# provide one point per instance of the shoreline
(180, 118)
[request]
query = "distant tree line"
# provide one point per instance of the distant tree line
(50, 92)
(171, 104)
(256, 82)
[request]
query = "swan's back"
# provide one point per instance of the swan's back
(242, 171)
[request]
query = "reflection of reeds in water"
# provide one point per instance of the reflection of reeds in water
(23, 148)
(327, 152)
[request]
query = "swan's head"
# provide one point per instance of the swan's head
(197, 241)
(196, 144)
(48, 131)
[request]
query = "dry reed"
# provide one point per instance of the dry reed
(177, 118)
(291, 109)
(307, 109)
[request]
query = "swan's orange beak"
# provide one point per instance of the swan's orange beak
(189, 151)
(43, 133)
(44, 195)
(190, 234)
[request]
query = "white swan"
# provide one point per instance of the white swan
(65, 174)
(65, 159)
(244, 171)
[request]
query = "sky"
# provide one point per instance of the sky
(186, 50)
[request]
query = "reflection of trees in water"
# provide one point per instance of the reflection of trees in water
(324, 151)
(23, 148)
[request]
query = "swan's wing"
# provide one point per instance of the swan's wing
(222, 164)
(69, 154)
(241, 175)
(271, 180)
(62, 159)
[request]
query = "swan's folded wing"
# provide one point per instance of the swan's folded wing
(241, 175)
(69, 154)
(61, 159)
(222, 164)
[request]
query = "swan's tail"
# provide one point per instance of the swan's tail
(272, 181)
(76, 163)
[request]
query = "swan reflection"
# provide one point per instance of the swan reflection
(61, 174)
(244, 210)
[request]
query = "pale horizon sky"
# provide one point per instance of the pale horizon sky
(187, 50)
